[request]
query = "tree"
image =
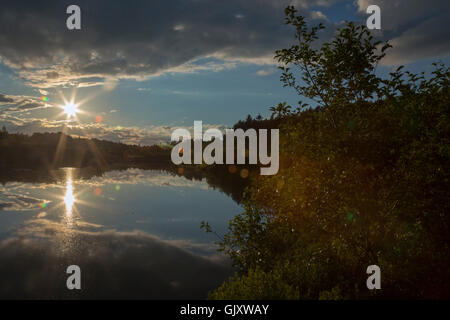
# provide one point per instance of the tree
(4, 132)
(341, 71)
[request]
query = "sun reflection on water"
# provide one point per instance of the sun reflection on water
(69, 198)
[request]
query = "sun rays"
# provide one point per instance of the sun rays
(71, 109)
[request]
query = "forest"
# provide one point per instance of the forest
(54, 150)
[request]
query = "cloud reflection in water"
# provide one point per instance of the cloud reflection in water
(114, 264)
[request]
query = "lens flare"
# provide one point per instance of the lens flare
(97, 192)
(244, 173)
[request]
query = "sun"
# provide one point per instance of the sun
(70, 109)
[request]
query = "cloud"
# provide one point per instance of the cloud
(5, 99)
(140, 40)
(129, 135)
(18, 103)
(191, 67)
(318, 15)
(426, 40)
(266, 72)
(18, 202)
(122, 41)
(29, 104)
(114, 264)
(415, 28)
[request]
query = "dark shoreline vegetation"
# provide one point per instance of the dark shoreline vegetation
(363, 180)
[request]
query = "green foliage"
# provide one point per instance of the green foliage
(363, 180)
(340, 72)
(256, 285)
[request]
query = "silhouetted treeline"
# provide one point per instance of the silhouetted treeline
(257, 123)
(54, 150)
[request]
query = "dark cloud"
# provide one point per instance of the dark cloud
(113, 265)
(30, 104)
(17, 202)
(416, 29)
(139, 38)
(5, 99)
(428, 39)
(15, 103)
(123, 39)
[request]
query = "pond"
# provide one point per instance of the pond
(134, 234)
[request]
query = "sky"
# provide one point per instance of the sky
(139, 69)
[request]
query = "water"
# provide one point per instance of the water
(134, 233)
